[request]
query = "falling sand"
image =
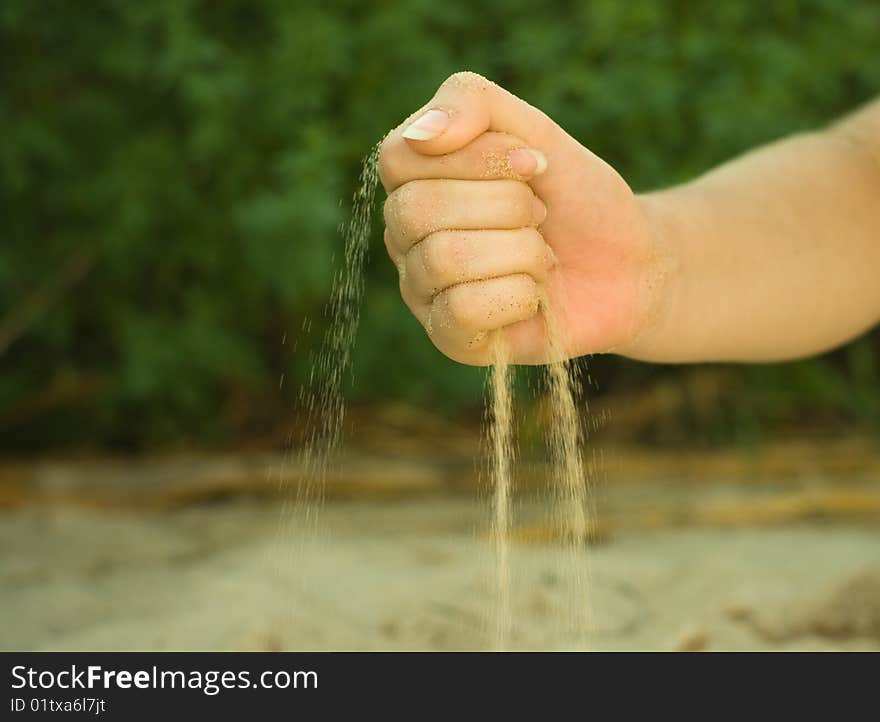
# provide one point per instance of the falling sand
(569, 484)
(322, 400)
(501, 457)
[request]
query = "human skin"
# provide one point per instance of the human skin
(494, 211)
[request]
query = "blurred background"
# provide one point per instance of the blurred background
(173, 176)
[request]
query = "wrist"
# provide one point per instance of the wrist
(659, 283)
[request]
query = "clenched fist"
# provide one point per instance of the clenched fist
(494, 210)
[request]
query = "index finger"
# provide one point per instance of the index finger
(492, 156)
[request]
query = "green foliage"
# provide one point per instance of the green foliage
(204, 148)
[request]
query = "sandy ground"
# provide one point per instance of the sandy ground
(417, 574)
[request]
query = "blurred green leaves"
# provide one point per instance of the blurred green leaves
(205, 148)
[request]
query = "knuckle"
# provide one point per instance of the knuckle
(418, 209)
(536, 249)
(524, 285)
(528, 294)
(391, 249)
(390, 161)
(465, 79)
(464, 354)
(437, 254)
(410, 298)
(389, 242)
(523, 199)
(390, 214)
(412, 271)
(388, 208)
(399, 209)
(449, 350)
(461, 308)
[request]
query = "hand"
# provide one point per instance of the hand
(493, 211)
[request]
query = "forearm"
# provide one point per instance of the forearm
(774, 255)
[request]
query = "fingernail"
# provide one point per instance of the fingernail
(428, 127)
(539, 211)
(528, 162)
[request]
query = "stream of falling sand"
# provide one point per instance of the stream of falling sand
(322, 398)
(500, 436)
(322, 401)
(571, 482)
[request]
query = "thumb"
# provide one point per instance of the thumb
(466, 106)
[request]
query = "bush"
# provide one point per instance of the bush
(194, 153)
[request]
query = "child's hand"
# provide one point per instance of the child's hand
(490, 205)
